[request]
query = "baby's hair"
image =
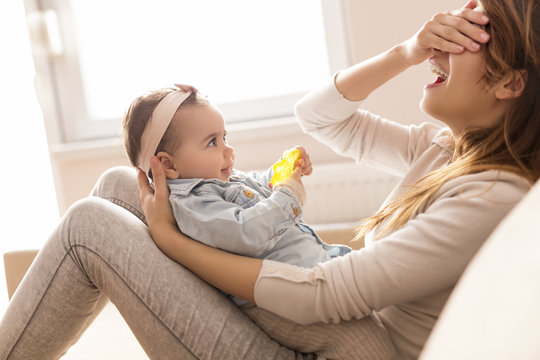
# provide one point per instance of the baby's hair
(139, 113)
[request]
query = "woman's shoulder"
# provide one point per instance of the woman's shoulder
(494, 185)
(427, 135)
(442, 136)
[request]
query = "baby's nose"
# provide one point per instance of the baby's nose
(228, 150)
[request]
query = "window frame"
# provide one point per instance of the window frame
(62, 96)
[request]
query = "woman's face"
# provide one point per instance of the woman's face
(460, 97)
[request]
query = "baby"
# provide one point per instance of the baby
(213, 202)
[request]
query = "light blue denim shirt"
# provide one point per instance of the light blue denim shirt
(244, 216)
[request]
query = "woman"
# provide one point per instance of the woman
(457, 185)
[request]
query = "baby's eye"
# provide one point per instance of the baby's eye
(225, 137)
(212, 142)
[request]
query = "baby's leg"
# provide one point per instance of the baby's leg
(357, 339)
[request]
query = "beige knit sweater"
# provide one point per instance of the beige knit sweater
(407, 275)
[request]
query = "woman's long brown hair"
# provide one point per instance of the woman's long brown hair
(514, 144)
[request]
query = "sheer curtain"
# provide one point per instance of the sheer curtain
(29, 209)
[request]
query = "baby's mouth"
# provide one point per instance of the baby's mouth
(441, 74)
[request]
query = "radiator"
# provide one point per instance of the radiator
(344, 193)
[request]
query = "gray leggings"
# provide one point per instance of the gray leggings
(100, 251)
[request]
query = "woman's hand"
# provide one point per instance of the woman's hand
(453, 31)
(155, 203)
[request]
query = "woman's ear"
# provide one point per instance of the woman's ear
(511, 86)
(167, 160)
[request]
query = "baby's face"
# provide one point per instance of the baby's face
(203, 152)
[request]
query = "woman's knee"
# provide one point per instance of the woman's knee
(95, 232)
(112, 179)
(92, 224)
(94, 217)
(119, 186)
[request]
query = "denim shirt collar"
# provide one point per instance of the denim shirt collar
(183, 187)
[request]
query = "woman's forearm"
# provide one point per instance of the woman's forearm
(231, 273)
(358, 81)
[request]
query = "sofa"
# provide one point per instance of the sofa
(493, 313)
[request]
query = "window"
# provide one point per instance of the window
(253, 58)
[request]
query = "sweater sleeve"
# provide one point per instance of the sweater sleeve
(358, 134)
(426, 255)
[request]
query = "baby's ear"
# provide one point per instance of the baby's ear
(511, 86)
(167, 160)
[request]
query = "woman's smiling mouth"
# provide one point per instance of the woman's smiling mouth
(441, 74)
(437, 70)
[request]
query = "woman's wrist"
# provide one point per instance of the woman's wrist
(360, 80)
(402, 53)
(163, 233)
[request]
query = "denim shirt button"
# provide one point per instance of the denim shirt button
(296, 211)
(248, 193)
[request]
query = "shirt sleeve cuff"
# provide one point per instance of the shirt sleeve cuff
(279, 282)
(296, 188)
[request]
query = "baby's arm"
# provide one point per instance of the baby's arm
(250, 231)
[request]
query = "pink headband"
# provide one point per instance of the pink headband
(158, 124)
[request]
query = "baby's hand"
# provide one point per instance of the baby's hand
(296, 174)
(284, 168)
(294, 183)
(306, 167)
(292, 159)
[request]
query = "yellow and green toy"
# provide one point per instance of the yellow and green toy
(285, 167)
